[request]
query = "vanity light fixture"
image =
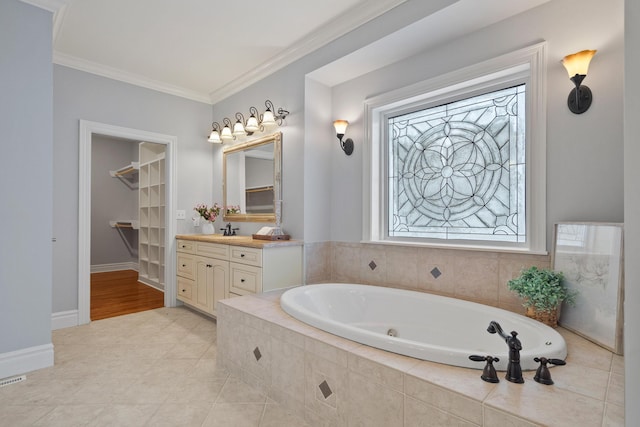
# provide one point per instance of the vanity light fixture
(347, 144)
(226, 134)
(577, 66)
(255, 123)
(214, 137)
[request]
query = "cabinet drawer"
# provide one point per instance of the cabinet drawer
(245, 279)
(185, 289)
(212, 250)
(186, 266)
(186, 246)
(249, 256)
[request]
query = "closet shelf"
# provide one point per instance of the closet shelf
(125, 224)
(130, 169)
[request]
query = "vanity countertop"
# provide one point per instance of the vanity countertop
(246, 241)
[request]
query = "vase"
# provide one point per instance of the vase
(207, 228)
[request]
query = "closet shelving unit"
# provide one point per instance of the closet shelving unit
(151, 202)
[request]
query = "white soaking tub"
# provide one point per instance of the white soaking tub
(420, 325)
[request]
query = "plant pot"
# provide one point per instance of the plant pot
(549, 318)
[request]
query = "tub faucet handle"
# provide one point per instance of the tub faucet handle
(543, 376)
(489, 372)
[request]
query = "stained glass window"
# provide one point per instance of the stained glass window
(457, 171)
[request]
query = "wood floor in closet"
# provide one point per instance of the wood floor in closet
(116, 293)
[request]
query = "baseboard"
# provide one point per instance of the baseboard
(103, 268)
(151, 283)
(64, 319)
(26, 360)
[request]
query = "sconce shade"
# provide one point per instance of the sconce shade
(268, 119)
(215, 137)
(578, 63)
(226, 133)
(252, 124)
(340, 126)
(238, 129)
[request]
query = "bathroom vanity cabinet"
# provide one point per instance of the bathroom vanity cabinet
(215, 267)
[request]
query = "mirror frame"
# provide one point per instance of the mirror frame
(276, 139)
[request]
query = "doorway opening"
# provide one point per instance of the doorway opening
(159, 252)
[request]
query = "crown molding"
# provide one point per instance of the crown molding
(127, 77)
(340, 26)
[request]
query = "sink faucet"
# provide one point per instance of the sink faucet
(228, 231)
(514, 370)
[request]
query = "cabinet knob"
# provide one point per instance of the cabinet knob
(241, 280)
(184, 265)
(241, 255)
(209, 265)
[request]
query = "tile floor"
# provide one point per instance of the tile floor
(154, 368)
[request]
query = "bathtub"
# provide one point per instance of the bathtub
(416, 324)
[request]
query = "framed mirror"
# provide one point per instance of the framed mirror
(252, 179)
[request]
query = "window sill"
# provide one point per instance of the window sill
(457, 247)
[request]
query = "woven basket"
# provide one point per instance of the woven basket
(549, 318)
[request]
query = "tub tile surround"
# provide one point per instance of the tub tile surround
(378, 388)
(476, 276)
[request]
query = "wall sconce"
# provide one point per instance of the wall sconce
(347, 144)
(256, 122)
(214, 137)
(577, 66)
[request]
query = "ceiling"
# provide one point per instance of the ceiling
(206, 50)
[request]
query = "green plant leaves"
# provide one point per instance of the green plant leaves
(541, 288)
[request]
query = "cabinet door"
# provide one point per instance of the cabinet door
(220, 273)
(212, 277)
(203, 295)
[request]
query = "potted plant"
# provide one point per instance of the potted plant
(543, 291)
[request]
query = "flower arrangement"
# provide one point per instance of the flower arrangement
(234, 209)
(208, 213)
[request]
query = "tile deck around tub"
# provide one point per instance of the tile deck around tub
(328, 380)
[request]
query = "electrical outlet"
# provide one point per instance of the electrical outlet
(196, 221)
(180, 214)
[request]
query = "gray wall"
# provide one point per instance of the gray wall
(79, 95)
(112, 199)
(308, 156)
(25, 176)
(584, 152)
(632, 208)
